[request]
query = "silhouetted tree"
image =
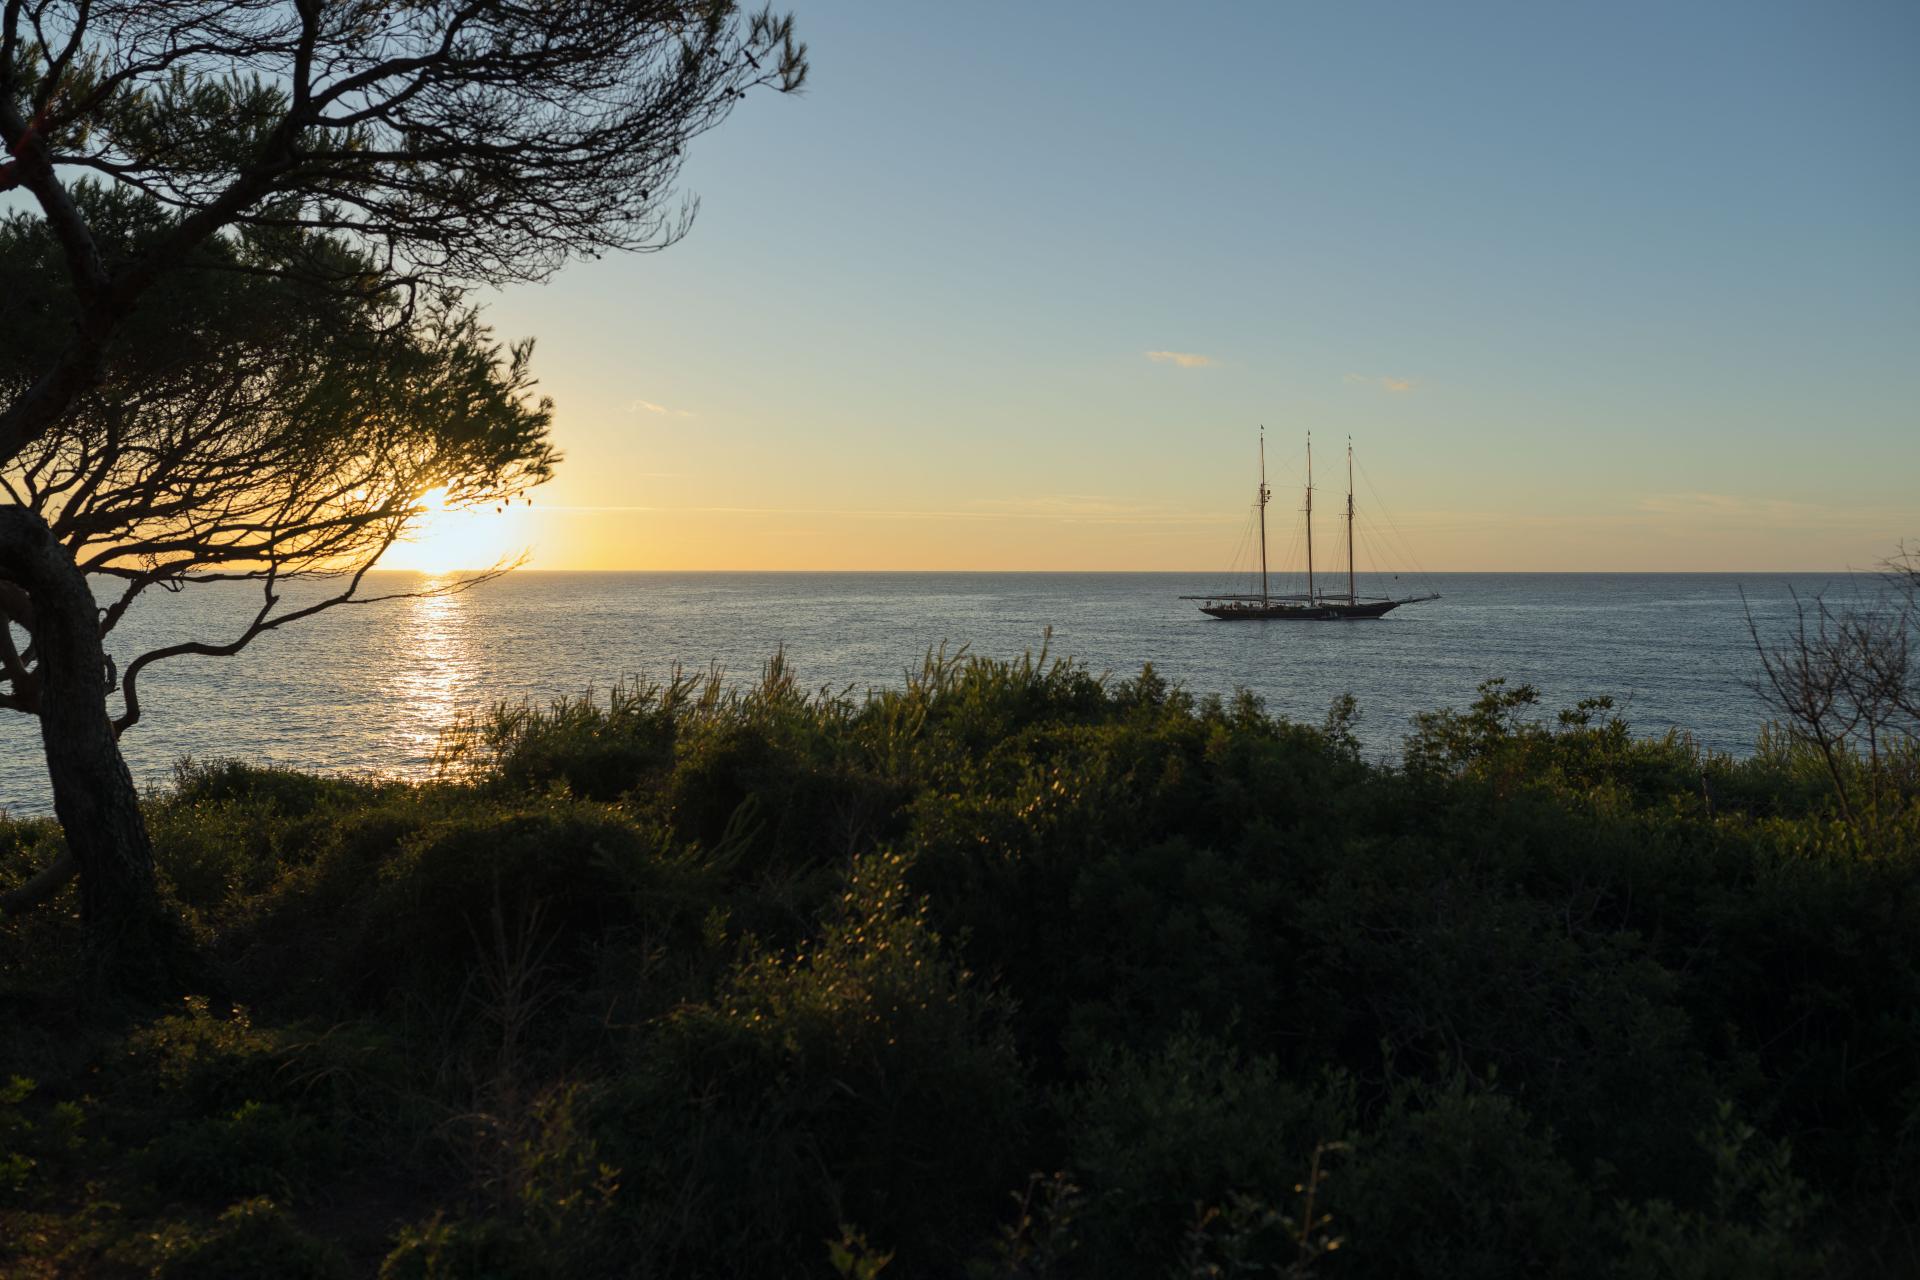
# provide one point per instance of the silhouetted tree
(1845, 682)
(390, 152)
(285, 435)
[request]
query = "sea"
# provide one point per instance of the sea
(369, 689)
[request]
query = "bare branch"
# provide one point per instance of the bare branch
(1844, 681)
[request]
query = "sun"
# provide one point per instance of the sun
(457, 539)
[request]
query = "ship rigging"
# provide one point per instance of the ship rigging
(1315, 604)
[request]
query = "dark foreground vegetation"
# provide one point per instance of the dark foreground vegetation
(1013, 973)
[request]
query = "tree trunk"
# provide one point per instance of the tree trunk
(93, 792)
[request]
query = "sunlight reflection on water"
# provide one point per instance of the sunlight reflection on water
(429, 678)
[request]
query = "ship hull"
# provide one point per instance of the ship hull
(1324, 611)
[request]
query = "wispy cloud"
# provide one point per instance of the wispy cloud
(1182, 359)
(1699, 504)
(1080, 508)
(1386, 382)
(1743, 509)
(648, 406)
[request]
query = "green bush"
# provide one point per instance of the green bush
(253, 1238)
(859, 1079)
(214, 1108)
(1754, 1224)
(575, 744)
(36, 1142)
(1457, 1181)
(487, 1249)
(540, 886)
(258, 1149)
(1194, 1123)
(228, 830)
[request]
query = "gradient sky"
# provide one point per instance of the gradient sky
(1599, 287)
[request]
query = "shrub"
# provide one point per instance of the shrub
(1457, 1182)
(486, 1249)
(217, 1108)
(1195, 1123)
(859, 1079)
(258, 1149)
(35, 1142)
(251, 1239)
(229, 830)
(592, 751)
(431, 918)
(1753, 1226)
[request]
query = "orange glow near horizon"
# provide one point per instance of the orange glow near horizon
(774, 540)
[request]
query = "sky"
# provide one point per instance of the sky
(1613, 286)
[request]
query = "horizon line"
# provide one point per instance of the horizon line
(1191, 573)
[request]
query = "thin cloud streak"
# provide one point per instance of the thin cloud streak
(1182, 359)
(1076, 506)
(1771, 513)
(648, 406)
(1668, 511)
(1068, 510)
(1386, 382)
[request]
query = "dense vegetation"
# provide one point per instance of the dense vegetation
(1014, 972)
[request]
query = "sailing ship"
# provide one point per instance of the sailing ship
(1313, 605)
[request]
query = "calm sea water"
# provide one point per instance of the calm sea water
(370, 688)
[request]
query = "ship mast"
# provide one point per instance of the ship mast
(1351, 597)
(1309, 517)
(1265, 493)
